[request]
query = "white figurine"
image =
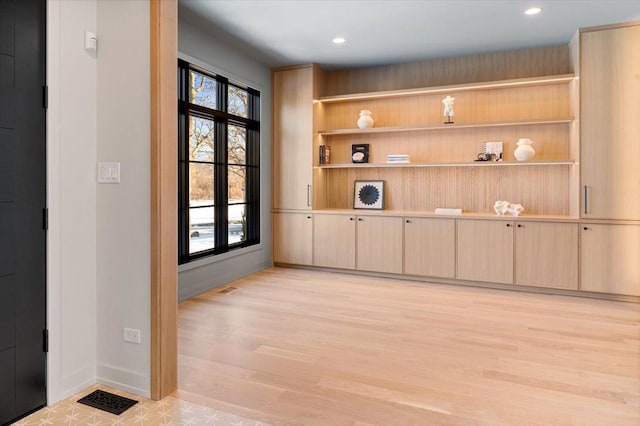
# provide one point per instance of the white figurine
(448, 107)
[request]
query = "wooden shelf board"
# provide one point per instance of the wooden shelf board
(544, 121)
(500, 84)
(465, 164)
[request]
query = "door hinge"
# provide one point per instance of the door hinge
(45, 219)
(45, 341)
(45, 97)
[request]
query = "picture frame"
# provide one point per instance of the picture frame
(360, 153)
(368, 194)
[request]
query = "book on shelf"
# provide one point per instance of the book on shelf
(325, 154)
(398, 159)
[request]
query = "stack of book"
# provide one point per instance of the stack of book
(325, 154)
(397, 159)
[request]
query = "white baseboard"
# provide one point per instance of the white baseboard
(74, 383)
(124, 380)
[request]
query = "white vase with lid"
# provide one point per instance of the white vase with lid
(365, 121)
(524, 151)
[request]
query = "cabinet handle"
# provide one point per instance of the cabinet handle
(359, 219)
(508, 225)
(408, 221)
(350, 218)
(308, 217)
(519, 226)
(308, 195)
(586, 228)
(586, 204)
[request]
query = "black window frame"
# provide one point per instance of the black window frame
(222, 119)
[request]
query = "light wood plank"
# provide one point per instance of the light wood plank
(316, 348)
(164, 203)
(474, 164)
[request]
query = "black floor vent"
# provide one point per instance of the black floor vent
(108, 402)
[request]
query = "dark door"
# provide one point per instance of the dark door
(22, 203)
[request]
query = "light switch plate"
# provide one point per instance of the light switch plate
(108, 172)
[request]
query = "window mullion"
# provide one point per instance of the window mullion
(221, 210)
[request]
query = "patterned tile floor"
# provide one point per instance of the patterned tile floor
(167, 412)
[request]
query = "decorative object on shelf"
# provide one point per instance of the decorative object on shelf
(365, 121)
(448, 108)
(325, 154)
(484, 157)
(368, 194)
(524, 151)
(398, 159)
(503, 207)
(493, 148)
(360, 153)
(447, 211)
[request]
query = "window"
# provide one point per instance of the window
(219, 164)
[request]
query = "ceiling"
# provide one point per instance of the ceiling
(279, 32)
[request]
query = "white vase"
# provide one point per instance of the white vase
(524, 151)
(365, 121)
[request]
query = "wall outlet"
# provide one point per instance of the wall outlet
(132, 335)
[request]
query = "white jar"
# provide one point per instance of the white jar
(524, 151)
(365, 121)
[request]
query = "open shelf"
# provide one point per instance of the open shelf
(464, 164)
(502, 84)
(544, 121)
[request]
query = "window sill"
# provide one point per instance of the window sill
(218, 258)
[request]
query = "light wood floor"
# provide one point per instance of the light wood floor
(291, 346)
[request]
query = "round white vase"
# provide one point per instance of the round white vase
(365, 121)
(524, 151)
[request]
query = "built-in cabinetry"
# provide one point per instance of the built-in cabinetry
(610, 258)
(546, 254)
(610, 124)
(430, 247)
(293, 238)
(334, 244)
(584, 131)
(485, 251)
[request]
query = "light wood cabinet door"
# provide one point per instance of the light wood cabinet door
(379, 244)
(292, 138)
(610, 258)
(609, 123)
(334, 241)
(292, 238)
(430, 247)
(485, 250)
(546, 254)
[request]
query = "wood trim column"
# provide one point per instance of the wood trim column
(164, 190)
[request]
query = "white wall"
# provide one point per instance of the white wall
(98, 242)
(208, 47)
(123, 210)
(71, 192)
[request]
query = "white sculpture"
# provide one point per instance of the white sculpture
(515, 209)
(502, 207)
(448, 108)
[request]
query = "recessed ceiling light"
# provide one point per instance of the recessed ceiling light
(533, 11)
(339, 40)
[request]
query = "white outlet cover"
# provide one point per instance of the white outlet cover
(131, 335)
(108, 172)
